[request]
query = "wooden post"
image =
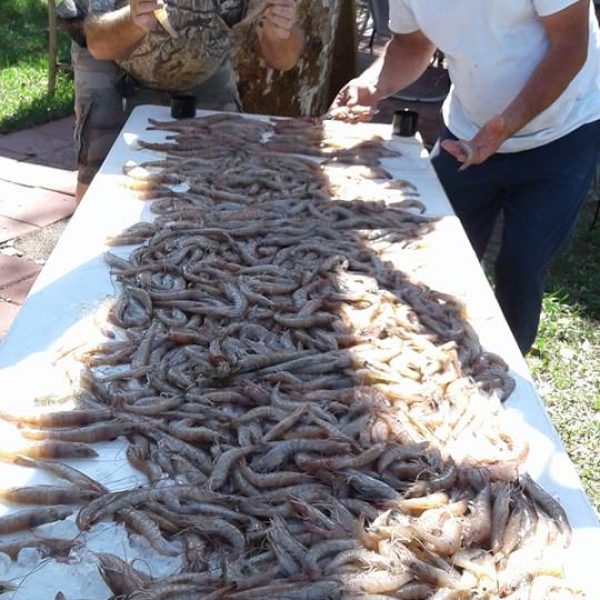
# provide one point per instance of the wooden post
(305, 89)
(52, 48)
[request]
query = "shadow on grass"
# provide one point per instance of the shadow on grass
(575, 272)
(38, 110)
(41, 110)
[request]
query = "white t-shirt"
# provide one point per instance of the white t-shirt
(492, 46)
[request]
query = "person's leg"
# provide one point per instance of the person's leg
(98, 114)
(475, 193)
(80, 190)
(548, 186)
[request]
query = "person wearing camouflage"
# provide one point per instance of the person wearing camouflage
(130, 59)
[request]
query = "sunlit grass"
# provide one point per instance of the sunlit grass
(24, 97)
(565, 361)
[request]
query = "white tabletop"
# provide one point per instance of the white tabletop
(65, 305)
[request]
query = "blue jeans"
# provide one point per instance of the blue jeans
(540, 192)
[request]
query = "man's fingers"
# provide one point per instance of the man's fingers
(469, 151)
(353, 99)
(281, 15)
(285, 12)
(462, 151)
(287, 4)
(279, 22)
(350, 114)
(341, 99)
(485, 143)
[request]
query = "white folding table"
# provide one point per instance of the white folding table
(74, 285)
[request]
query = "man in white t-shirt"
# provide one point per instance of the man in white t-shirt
(522, 124)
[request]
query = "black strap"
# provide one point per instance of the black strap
(127, 86)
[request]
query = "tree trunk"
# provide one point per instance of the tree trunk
(345, 59)
(305, 89)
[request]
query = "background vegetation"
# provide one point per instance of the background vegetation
(24, 67)
(565, 361)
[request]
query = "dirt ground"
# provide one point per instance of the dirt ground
(38, 245)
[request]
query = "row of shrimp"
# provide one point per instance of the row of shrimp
(312, 424)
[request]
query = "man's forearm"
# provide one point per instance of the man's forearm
(568, 34)
(402, 63)
(281, 54)
(547, 82)
(112, 35)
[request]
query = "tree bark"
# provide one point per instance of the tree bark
(345, 51)
(305, 89)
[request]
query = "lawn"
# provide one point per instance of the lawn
(24, 67)
(565, 362)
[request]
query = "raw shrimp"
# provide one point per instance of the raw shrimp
(30, 518)
(48, 494)
(63, 471)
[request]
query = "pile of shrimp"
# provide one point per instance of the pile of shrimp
(312, 423)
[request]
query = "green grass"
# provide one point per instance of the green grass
(24, 67)
(565, 361)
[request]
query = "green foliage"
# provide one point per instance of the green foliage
(565, 361)
(578, 268)
(24, 67)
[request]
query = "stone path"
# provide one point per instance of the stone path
(37, 196)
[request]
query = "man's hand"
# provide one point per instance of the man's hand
(405, 58)
(280, 37)
(279, 18)
(487, 141)
(567, 33)
(114, 34)
(142, 13)
(356, 101)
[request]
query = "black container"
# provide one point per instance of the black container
(183, 106)
(405, 122)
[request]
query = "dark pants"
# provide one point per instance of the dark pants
(539, 192)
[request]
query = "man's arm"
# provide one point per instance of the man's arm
(405, 58)
(568, 32)
(280, 39)
(113, 35)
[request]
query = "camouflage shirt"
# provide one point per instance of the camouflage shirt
(204, 42)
